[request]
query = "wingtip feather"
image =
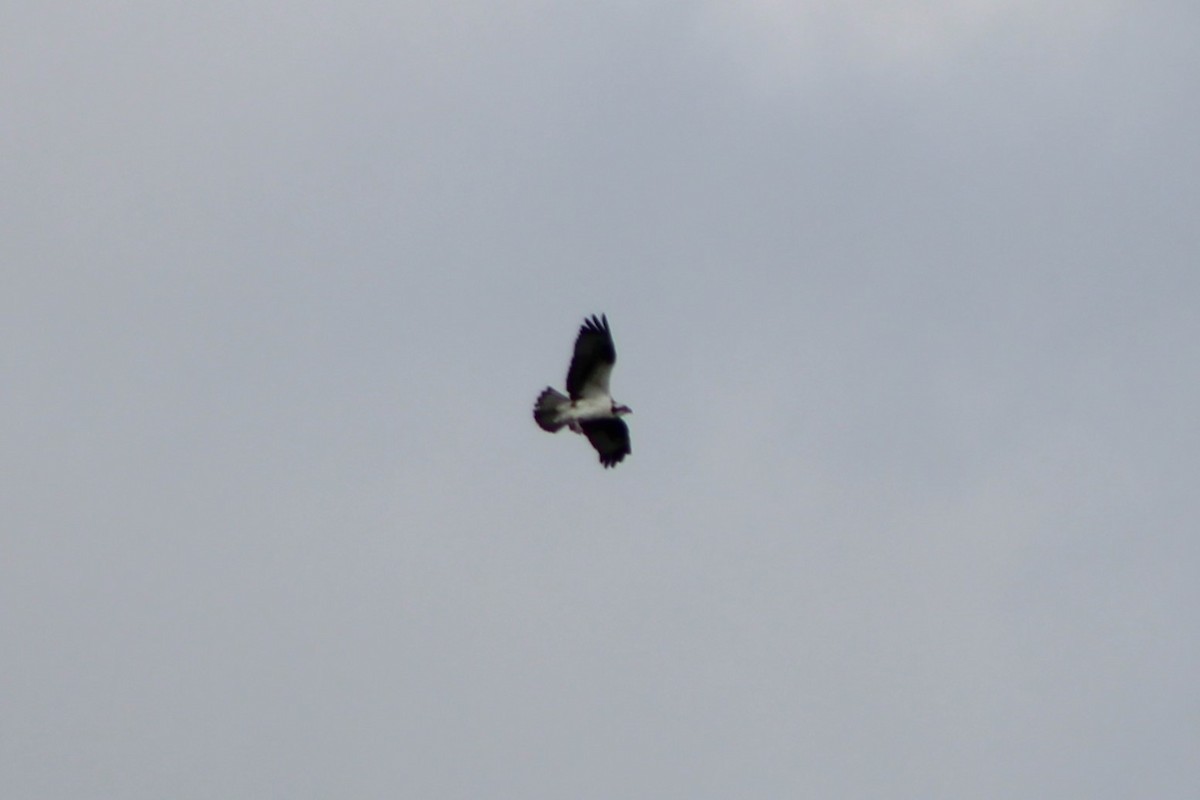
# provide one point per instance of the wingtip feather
(599, 324)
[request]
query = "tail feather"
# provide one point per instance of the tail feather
(547, 408)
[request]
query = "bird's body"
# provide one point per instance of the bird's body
(555, 409)
(588, 408)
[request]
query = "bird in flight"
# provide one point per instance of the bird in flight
(590, 409)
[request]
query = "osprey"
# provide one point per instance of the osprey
(590, 409)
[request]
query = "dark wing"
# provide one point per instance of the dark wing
(610, 437)
(593, 360)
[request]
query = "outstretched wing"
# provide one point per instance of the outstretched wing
(593, 360)
(610, 437)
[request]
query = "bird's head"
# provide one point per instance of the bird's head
(621, 411)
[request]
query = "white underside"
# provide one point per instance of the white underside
(585, 408)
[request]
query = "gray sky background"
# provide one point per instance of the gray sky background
(905, 296)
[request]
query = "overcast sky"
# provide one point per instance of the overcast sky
(905, 297)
